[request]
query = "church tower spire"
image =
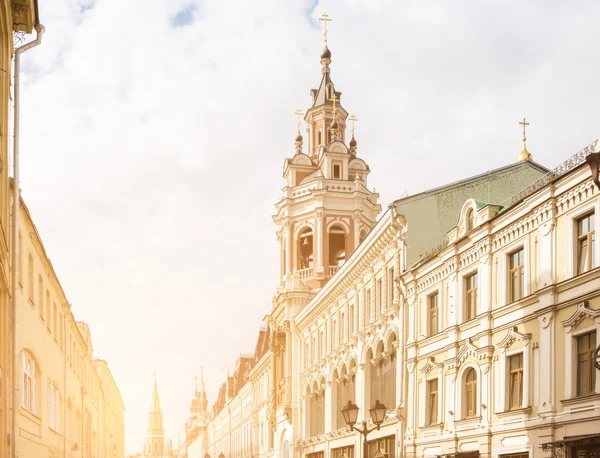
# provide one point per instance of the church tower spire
(155, 435)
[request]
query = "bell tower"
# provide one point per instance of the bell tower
(327, 208)
(155, 435)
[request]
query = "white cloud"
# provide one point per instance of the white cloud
(152, 154)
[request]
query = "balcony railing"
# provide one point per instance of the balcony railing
(333, 269)
(305, 273)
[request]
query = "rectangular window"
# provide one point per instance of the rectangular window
(53, 407)
(62, 331)
(343, 452)
(314, 350)
(341, 331)
(55, 322)
(40, 294)
(516, 274)
(337, 171)
(586, 243)
(334, 337)
(433, 321)
(515, 455)
(471, 297)
(515, 389)
(368, 306)
(48, 317)
(586, 371)
(30, 278)
(385, 446)
(29, 385)
(321, 343)
(432, 401)
(390, 288)
(351, 320)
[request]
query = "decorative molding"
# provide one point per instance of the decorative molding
(583, 311)
(512, 335)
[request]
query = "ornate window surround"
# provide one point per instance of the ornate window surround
(513, 335)
(570, 325)
(503, 254)
(460, 306)
(425, 331)
(431, 371)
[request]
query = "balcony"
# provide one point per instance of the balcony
(305, 273)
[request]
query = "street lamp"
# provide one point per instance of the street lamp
(350, 414)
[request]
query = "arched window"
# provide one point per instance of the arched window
(470, 401)
(29, 383)
(317, 411)
(470, 219)
(337, 245)
(305, 249)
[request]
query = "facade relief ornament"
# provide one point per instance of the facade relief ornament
(582, 312)
(512, 335)
(545, 319)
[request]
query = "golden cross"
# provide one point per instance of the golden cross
(524, 123)
(353, 119)
(334, 99)
(325, 20)
(298, 113)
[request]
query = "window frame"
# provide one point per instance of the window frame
(573, 216)
(433, 405)
(430, 319)
(29, 369)
(591, 376)
(468, 295)
(520, 269)
(590, 238)
(520, 376)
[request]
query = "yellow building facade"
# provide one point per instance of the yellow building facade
(69, 403)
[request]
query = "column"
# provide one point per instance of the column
(288, 364)
(320, 269)
(356, 228)
(288, 247)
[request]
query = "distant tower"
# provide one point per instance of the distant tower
(155, 436)
(199, 402)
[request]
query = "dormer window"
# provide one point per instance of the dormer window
(470, 219)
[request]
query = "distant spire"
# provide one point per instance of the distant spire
(155, 402)
(298, 113)
(524, 153)
(353, 140)
(201, 380)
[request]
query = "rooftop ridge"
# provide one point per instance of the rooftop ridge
(574, 161)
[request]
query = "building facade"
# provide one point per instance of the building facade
(470, 311)
(69, 403)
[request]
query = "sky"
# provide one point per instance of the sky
(153, 135)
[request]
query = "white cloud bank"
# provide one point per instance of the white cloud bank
(154, 132)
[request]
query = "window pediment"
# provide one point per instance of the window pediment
(583, 311)
(432, 365)
(512, 336)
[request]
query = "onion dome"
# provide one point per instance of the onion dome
(326, 54)
(334, 124)
(353, 146)
(524, 155)
(298, 143)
